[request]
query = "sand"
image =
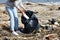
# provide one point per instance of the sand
(43, 13)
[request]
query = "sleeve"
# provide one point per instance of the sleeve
(21, 4)
(17, 4)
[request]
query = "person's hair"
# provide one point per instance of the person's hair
(12, 0)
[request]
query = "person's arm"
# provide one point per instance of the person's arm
(22, 9)
(18, 7)
(21, 5)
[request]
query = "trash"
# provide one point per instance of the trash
(53, 21)
(48, 27)
(30, 24)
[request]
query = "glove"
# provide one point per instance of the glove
(25, 16)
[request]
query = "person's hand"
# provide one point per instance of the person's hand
(25, 15)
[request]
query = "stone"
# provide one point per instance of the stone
(51, 37)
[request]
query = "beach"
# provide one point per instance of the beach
(43, 12)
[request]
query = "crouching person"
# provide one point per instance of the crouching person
(11, 8)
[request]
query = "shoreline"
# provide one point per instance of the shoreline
(47, 3)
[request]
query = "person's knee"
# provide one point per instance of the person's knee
(12, 19)
(16, 18)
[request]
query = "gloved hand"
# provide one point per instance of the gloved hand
(25, 16)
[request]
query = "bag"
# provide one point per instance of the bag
(30, 24)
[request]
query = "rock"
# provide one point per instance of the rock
(54, 26)
(28, 4)
(5, 38)
(53, 22)
(4, 12)
(56, 23)
(47, 27)
(51, 37)
(5, 33)
(58, 8)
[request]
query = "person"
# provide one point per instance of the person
(11, 8)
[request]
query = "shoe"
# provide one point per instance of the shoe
(15, 33)
(18, 31)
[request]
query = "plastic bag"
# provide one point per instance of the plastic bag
(30, 24)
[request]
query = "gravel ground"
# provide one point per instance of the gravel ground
(42, 12)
